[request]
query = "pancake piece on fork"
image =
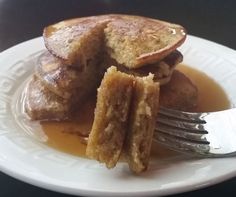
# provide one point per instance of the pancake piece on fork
(109, 128)
(142, 122)
(124, 120)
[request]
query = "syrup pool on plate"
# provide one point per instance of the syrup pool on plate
(65, 136)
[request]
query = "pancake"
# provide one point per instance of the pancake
(162, 70)
(68, 81)
(180, 93)
(133, 41)
(136, 41)
(42, 104)
(143, 115)
(124, 120)
(109, 128)
(75, 41)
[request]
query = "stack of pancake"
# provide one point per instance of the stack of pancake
(81, 50)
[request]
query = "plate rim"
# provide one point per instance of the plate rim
(48, 185)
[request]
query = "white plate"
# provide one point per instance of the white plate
(25, 158)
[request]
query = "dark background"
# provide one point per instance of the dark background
(21, 20)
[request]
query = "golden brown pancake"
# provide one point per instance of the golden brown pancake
(42, 104)
(180, 93)
(143, 115)
(68, 81)
(133, 41)
(136, 41)
(109, 128)
(75, 41)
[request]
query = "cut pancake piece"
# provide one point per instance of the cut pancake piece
(124, 120)
(76, 41)
(142, 121)
(135, 41)
(111, 115)
(41, 104)
(67, 81)
(180, 93)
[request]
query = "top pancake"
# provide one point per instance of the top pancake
(133, 41)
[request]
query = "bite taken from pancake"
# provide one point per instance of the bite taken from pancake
(128, 63)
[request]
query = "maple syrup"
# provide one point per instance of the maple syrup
(66, 135)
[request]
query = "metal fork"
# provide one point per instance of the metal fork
(210, 134)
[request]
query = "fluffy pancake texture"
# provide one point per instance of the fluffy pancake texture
(133, 41)
(109, 128)
(124, 120)
(75, 41)
(142, 122)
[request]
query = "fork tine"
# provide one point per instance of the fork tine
(178, 132)
(188, 132)
(182, 145)
(185, 125)
(187, 116)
